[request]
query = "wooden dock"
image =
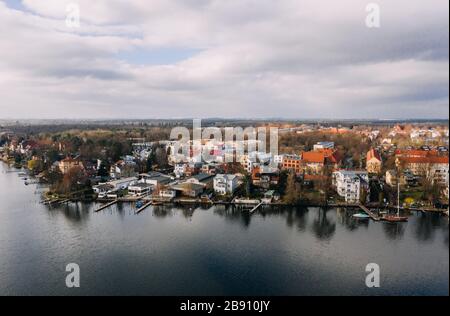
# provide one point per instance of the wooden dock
(106, 206)
(143, 207)
(256, 208)
(372, 215)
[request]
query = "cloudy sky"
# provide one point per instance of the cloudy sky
(224, 58)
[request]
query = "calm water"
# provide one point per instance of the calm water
(165, 251)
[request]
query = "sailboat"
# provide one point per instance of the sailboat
(396, 218)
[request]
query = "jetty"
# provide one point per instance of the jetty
(372, 215)
(256, 208)
(106, 206)
(143, 207)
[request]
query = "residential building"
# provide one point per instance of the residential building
(180, 169)
(225, 184)
(188, 189)
(313, 162)
(392, 178)
(204, 179)
(424, 163)
(350, 183)
(140, 189)
(68, 163)
(373, 161)
(156, 179)
(265, 176)
(292, 163)
(323, 145)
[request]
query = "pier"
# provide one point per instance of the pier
(370, 213)
(143, 207)
(106, 206)
(256, 208)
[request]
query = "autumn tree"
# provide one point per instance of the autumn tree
(292, 195)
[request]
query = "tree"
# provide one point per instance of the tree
(103, 170)
(161, 157)
(35, 165)
(292, 195)
(73, 180)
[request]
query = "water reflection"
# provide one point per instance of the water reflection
(322, 227)
(426, 227)
(394, 231)
(321, 222)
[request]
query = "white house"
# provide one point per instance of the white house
(180, 169)
(225, 184)
(140, 189)
(349, 184)
(323, 145)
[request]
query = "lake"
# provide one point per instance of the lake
(212, 251)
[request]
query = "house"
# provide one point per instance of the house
(156, 179)
(350, 183)
(392, 178)
(180, 169)
(123, 169)
(193, 168)
(111, 188)
(102, 189)
(225, 184)
(265, 176)
(278, 159)
(68, 163)
(270, 196)
(188, 189)
(167, 194)
(313, 162)
(373, 161)
(246, 163)
(204, 179)
(424, 163)
(323, 145)
(140, 189)
(292, 163)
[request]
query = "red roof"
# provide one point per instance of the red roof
(321, 156)
(430, 159)
(372, 153)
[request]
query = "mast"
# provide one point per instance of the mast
(398, 199)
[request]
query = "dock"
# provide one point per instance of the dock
(106, 206)
(256, 208)
(370, 213)
(143, 207)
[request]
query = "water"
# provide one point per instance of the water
(169, 251)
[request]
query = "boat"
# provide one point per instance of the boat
(361, 216)
(139, 204)
(395, 218)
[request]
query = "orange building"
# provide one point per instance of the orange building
(373, 161)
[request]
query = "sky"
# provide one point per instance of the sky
(295, 59)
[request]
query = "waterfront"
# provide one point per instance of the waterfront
(215, 251)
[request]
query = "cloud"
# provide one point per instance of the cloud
(209, 58)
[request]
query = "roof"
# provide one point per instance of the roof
(416, 153)
(202, 177)
(372, 153)
(141, 185)
(321, 156)
(227, 176)
(426, 160)
(313, 157)
(187, 186)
